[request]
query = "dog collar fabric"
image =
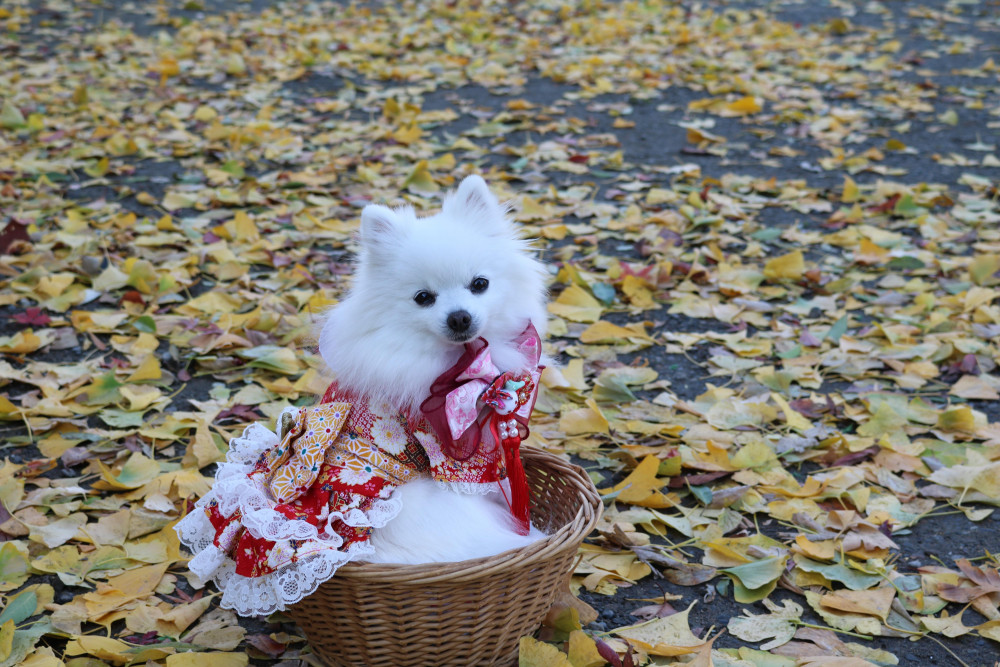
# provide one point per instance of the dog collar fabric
(473, 398)
(454, 406)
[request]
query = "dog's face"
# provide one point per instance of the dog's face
(457, 310)
(454, 276)
(424, 287)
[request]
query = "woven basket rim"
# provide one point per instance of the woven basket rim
(574, 531)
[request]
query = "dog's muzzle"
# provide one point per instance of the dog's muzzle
(460, 326)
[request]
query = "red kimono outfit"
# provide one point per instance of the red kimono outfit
(289, 508)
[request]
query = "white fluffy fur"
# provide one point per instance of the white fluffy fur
(438, 525)
(379, 342)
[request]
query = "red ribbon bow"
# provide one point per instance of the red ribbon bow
(454, 412)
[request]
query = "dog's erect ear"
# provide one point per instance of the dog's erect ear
(474, 196)
(378, 225)
(474, 201)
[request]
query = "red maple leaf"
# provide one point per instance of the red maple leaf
(33, 316)
(242, 413)
(267, 645)
(887, 206)
(12, 233)
(134, 296)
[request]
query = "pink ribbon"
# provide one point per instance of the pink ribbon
(452, 408)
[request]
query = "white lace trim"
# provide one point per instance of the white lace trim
(259, 596)
(195, 531)
(206, 562)
(233, 489)
(255, 439)
(377, 515)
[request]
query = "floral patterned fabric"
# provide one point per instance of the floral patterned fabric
(289, 508)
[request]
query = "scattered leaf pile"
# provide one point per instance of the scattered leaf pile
(775, 268)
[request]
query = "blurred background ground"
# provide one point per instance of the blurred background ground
(859, 93)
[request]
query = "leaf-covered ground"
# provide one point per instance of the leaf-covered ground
(775, 256)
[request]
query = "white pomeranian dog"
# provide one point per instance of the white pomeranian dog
(422, 289)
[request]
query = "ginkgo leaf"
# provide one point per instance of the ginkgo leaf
(970, 386)
(420, 179)
(958, 419)
(272, 357)
(744, 105)
(588, 419)
(641, 485)
(606, 332)
(844, 620)
(139, 397)
(219, 629)
(533, 653)
(875, 602)
(173, 201)
(792, 418)
(149, 369)
(58, 531)
(19, 607)
(6, 639)
(582, 651)
(10, 116)
(612, 385)
(984, 478)
(135, 472)
(949, 626)
(669, 636)
(785, 267)
(985, 580)
(778, 626)
(984, 268)
(22, 342)
(755, 581)
(576, 304)
(204, 448)
(990, 630)
(949, 117)
(112, 650)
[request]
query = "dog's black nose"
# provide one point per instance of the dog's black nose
(459, 321)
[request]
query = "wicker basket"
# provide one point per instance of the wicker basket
(467, 613)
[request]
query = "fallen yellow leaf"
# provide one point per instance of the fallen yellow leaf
(531, 653)
(792, 417)
(576, 304)
(785, 267)
(587, 419)
(669, 636)
(876, 602)
(640, 484)
(744, 106)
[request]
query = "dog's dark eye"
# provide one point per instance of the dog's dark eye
(424, 298)
(479, 285)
